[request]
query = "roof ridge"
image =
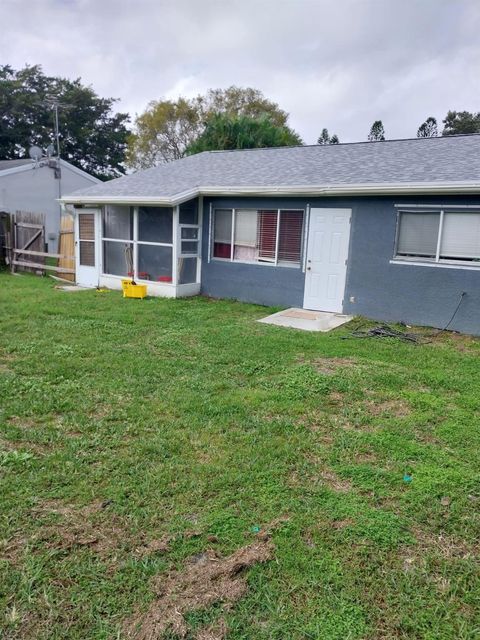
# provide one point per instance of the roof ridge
(345, 144)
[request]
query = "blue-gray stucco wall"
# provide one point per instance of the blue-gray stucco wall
(424, 295)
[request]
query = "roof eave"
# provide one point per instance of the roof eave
(427, 188)
(352, 189)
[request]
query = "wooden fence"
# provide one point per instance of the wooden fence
(27, 250)
(66, 246)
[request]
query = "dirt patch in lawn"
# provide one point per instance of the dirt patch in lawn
(397, 408)
(413, 556)
(334, 482)
(207, 578)
(23, 423)
(87, 526)
(329, 366)
(444, 545)
(94, 526)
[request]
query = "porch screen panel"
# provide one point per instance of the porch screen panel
(118, 222)
(267, 235)
(418, 234)
(222, 234)
(155, 224)
(115, 259)
(290, 236)
(155, 263)
(460, 236)
(187, 270)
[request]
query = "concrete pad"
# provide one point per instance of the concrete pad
(307, 320)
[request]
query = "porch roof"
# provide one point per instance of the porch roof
(449, 164)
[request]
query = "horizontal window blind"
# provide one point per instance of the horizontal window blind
(460, 236)
(418, 234)
(86, 226)
(267, 235)
(290, 236)
(87, 253)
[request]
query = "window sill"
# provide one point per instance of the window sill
(138, 280)
(257, 264)
(436, 265)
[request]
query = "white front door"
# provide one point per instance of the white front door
(327, 253)
(86, 254)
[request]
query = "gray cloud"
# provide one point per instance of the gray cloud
(339, 64)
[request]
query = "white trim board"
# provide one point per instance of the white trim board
(420, 188)
(435, 265)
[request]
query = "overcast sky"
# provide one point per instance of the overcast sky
(338, 64)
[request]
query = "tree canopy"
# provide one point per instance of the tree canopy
(377, 131)
(428, 129)
(168, 128)
(224, 131)
(458, 122)
(92, 137)
(325, 138)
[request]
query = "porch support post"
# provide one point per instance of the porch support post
(175, 252)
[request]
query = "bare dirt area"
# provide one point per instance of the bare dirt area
(207, 578)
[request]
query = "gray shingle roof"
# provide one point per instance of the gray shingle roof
(437, 161)
(11, 164)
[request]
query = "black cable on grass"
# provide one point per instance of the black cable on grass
(385, 331)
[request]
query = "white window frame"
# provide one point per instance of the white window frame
(267, 263)
(437, 260)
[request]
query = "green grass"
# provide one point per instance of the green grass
(183, 415)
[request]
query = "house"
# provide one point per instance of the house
(389, 230)
(31, 186)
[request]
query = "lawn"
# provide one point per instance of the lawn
(172, 468)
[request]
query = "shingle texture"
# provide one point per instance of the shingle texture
(10, 164)
(443, 159)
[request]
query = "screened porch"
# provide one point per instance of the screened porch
(155, 245)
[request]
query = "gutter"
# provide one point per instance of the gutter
(424, 188)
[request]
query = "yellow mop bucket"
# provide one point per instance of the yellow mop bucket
(132, 290)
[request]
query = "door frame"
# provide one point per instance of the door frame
(97, 269)
(309, 247)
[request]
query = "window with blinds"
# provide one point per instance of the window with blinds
(272, 236)
(439, 236)
(418, 234)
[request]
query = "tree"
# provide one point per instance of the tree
(167, 128)
(377, 132)
(242, 101)
(163, 132)
(428, 129)
(92, 137)
(458, 122)
(325, 138)
(224, 131)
